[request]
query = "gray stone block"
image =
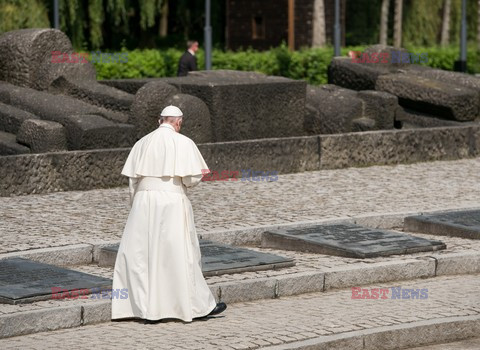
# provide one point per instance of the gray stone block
(432, 96)
(396, 146)
(87, 126)
(77, 254)
(39, 321)
(42, 136)
(457, 263)
(275, 107)
(148, 103)
(414, 119)
(456, 78)
(96, 312)
(9, 145)
(26, 57)
(11, 118)
(475, 141)
(196, 117)
(130, 86)
(53, 107)
(299, 283)
(334, 109)
(380, 107)
(93, 132)
(106, 258)
(93, 93)
(62, 171)
(351, 276)
(363, 124)
(261, 288)
(356, 76)
(276, 154)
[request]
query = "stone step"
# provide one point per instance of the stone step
(331, 320)
(56, 314)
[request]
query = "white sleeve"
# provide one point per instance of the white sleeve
(191, 180)
(132, 185)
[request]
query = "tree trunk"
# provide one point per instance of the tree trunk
(384, 22)
(164, 20)
(319, 35)
(445, 35)
(397, 25)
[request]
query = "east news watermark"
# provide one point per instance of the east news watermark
(398, 293)
(240, 175)
(84, 57)
(386, 57)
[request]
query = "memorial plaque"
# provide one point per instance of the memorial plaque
(464, 224)
(347, 240)
(26, 281)
(219, 259)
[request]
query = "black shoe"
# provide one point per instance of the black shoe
(152, 321)
(221, 307)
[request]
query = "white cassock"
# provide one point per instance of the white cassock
(158, 260)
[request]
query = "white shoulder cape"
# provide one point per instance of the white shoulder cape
(164, 152)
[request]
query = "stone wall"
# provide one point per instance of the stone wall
(84, 170)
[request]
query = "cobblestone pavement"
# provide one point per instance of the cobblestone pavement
(255, 324)
(58, 219)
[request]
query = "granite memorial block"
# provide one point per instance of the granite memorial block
(465, 223)
(25, 281)
(219, 259)
(347, 240)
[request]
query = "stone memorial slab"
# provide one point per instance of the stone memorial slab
(347, 240)
(26, 281)
(219, 259)
(465, 223)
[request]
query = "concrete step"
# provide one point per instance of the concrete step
(250, 286)
(334, 319)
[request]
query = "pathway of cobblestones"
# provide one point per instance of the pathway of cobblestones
(58, 219)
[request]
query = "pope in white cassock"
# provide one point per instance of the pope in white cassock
(158, 261)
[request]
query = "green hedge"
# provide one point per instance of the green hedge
(308, 64)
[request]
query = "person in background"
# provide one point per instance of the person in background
(188, 61)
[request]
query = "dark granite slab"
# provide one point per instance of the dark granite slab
(347, 240)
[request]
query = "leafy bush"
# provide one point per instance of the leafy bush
(308, 64)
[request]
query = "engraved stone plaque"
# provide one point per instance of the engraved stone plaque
(24, 281)
(219, 259)
(347, 240)
(464, 224)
